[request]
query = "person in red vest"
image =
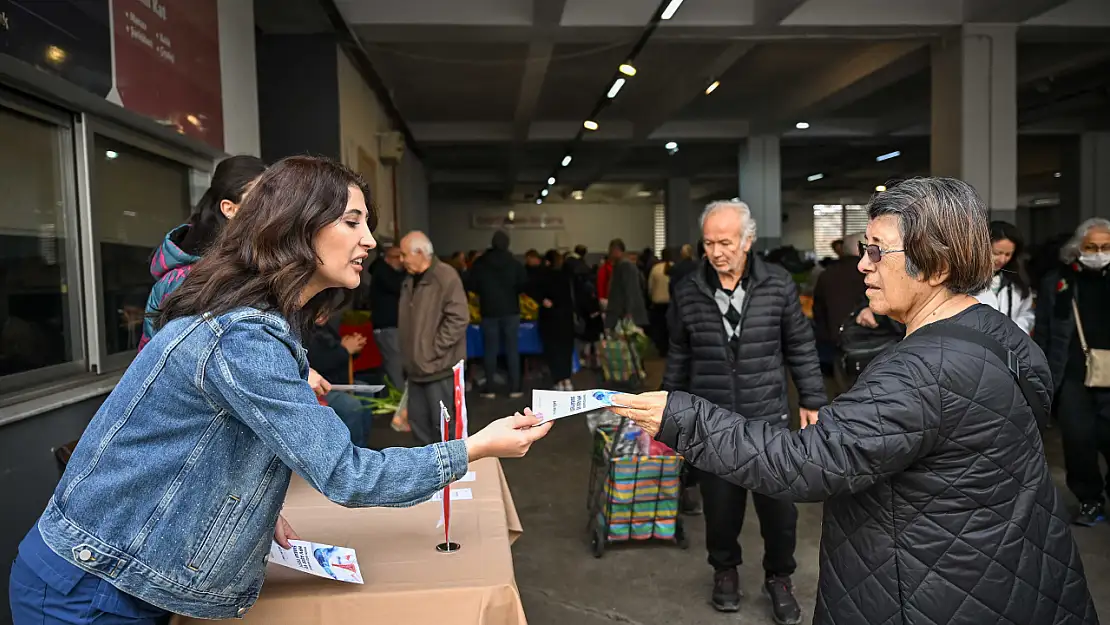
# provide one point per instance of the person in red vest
(605, 271)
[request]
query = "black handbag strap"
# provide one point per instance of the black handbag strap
(1009, 358)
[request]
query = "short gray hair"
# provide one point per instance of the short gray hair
(944, 229)
(747, 227)
(1070, 252)
(421, 243)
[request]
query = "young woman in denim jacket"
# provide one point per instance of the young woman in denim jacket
(171, 499)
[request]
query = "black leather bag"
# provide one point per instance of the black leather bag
(860, 345)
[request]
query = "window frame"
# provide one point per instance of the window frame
(78, 364)
(87, 127)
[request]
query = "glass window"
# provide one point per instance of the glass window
(40, 314)
(137, 197)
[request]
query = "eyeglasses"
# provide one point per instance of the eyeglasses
(874, 252)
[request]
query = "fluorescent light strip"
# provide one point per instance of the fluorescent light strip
(566, 160)
(615, 89)
(887, 156)
(815, 177)
(713, 87)
(669, 12)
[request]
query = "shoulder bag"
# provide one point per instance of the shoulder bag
(1098, 360)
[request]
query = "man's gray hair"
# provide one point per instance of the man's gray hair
(747, 222)
(422, 244)
(1070, 252)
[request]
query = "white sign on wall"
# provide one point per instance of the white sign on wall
(515, 221)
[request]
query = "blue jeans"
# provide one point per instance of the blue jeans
(353, 413)
(498, 332)
(46, 590)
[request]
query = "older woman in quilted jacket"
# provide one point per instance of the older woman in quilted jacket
(939, 504)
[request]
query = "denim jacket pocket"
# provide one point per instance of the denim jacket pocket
(216, 532)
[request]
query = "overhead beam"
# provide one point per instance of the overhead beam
(679, 93)
(546, 15)
(377, 34)
(1007, 11)
(878, 66)
(773, 12)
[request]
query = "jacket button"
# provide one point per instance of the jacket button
(84, 555)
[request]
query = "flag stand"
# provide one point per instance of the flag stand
(446, 546)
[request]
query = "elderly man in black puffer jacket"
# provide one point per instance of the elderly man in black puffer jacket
(735, 321)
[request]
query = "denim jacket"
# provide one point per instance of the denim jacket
(174, 490)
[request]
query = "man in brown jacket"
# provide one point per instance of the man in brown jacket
(432, 320)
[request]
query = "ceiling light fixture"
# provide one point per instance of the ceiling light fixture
(615, 89)
(539, 200)
(713, 87)
(1056, 175)
(886, 157)
(544, 193)
(880, 188)
(627, 69)
(589, 124)
(815, 177)
(566, 160)
(643, 194)
(551, 180)
(576, 194)
(111, 154)
(671, 145)
(802, 125)
(669, 12)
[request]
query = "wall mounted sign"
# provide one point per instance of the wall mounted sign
(167, 54)
(519, 221)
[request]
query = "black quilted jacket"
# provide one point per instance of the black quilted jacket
(773, 329)
(940, 508)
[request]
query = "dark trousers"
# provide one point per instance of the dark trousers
(1084, 417)
(658, 328)
(498, 332)
(724, 504)
(424, 399)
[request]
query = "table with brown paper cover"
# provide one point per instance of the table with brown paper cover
(406, 579)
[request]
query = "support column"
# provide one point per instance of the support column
(1094, 175)
(682, 217)
(974, 113)
(761, 188)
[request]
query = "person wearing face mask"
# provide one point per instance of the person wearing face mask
(1009, 291)
(170, 503)
(1081, 285)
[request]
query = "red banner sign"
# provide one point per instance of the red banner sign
(167, 58)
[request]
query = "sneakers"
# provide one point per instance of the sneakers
(1090, 514)
(726, 591)
(784, 607)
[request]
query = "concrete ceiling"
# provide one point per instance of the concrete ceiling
(494, 90)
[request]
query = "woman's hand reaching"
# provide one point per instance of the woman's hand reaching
(645, 409)
(510, 437)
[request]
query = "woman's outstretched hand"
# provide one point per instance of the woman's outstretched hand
(645, 409)
(510, 437)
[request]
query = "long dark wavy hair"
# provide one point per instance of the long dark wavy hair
(266, 256)
(1013, 272)
(232, 178)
